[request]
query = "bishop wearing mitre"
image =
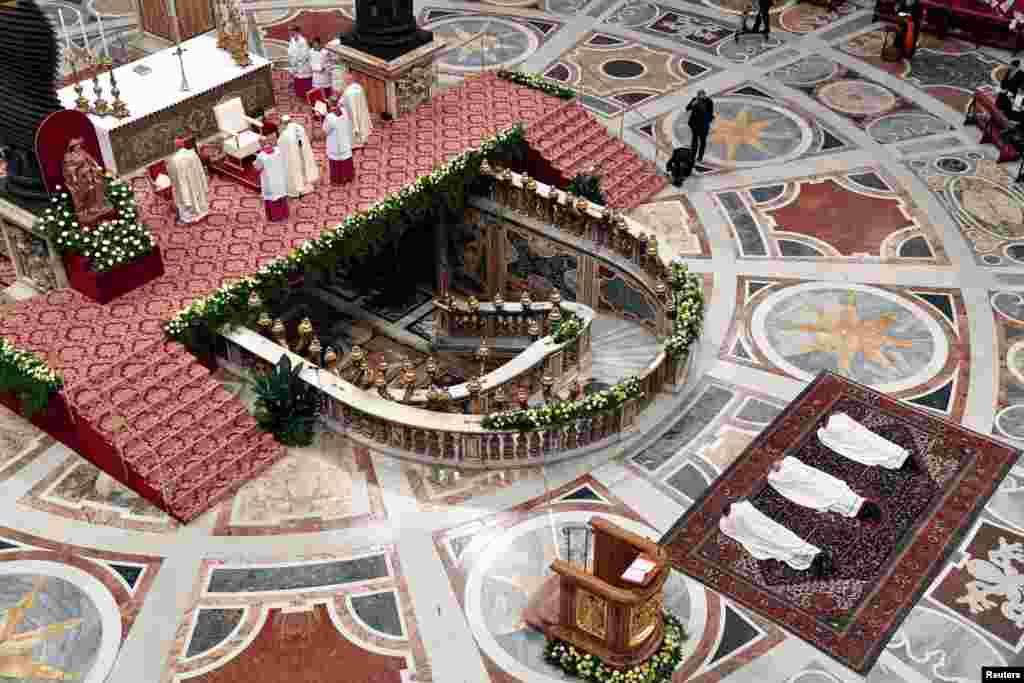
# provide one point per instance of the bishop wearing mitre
(358, 110)
(188, 178)
(338, 128)
(303, 173)
(298, 63)
(766, 539)
(811, 488)
(273, 168)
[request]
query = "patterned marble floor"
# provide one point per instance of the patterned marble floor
(836, 188)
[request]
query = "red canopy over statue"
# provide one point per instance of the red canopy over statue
(52, 139)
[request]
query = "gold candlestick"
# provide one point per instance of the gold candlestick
(100, 106)
(118, 108)
(81, 102)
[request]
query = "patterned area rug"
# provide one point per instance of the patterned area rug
(879, 570)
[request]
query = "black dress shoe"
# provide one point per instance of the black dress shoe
(870, 512)
(822, 566)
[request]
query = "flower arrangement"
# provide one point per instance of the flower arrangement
(354, 236)
(657, 669)
(687, 309)
(27, 376)
(564, 412)
(108, 245)
(537, 82)
(567, 329)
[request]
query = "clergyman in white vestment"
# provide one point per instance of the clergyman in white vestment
(320, 64)
(191, 188)
(764, 538)
(298, 63)
(852, 440)
(303, 172)
(811, 488)
(358, 111)
(273, 170)
(338, 129)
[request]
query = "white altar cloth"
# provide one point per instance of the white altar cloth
(206, 67)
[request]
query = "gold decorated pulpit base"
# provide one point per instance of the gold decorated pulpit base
(543, 612)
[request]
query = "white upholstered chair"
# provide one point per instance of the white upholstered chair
(240, 139)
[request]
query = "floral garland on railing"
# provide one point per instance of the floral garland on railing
(229, 304)
(27, 376)
(111, 243)
(656, 669)
(687, 310)
(537, 82)
(567, 329)
(564, 412)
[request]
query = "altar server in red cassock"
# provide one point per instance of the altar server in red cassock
(298, 63)
(338, 128)
(273, 168)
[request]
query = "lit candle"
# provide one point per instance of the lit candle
(103, 37)
(64, 27)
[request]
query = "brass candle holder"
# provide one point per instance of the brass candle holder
(81, 101)
(118, 108)
(100, 107)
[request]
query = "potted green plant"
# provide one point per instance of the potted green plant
(588, 186)
(286, 405)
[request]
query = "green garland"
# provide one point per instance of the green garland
(27, 376)
(565, 412)
(687, 312)
(354, 237)
(567, 329)
(657, 669)
(108, 245)
(538, 82)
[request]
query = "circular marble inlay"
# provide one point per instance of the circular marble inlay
(1010, 421)
(867, 334)
(952, 165)
(623, 68)
(1015, 361)
(490, 42)
(514, 565)
(1009, 304)
(1015, 252)
(991, 206)
(635, 14)
(857, 98)
(809, 71)
(905, 126)
(749, 132)
(68, 617)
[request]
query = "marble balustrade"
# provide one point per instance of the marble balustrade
(36, 260)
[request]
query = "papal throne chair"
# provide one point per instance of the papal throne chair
(600, 612)
(241, 133)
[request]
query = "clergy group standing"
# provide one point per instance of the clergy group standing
(273, 168)
(338, 128)
(188, 178)
(298, 63)
(358, 110)
(302, 173)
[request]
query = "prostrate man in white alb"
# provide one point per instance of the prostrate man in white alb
(811, 488)
(188, 178)
(852, 440)
(358, 110)
(766, 539)
(303, 172)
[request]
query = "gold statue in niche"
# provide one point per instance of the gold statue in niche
(83, 179)
(642, 619)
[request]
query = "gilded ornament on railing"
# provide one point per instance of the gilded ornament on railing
(643, 618)
(591, 614)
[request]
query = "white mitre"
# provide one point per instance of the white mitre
(852, 440)
(766, 539)
(811, 488)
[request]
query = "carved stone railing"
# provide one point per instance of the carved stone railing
(451, 439)
(36, 260)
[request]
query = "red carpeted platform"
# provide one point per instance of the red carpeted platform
(144, 409)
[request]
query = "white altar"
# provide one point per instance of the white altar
(151, 88)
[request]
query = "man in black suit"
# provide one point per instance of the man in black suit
(702, 111)
(763, 8)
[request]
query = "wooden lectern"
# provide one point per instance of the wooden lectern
(599, 613)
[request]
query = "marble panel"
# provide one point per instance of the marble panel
(20, 442)
(539, 265)
(467, 257)
(672, 219)
(483, 40)
(296, 577)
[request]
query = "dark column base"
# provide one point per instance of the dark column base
(388, 51)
